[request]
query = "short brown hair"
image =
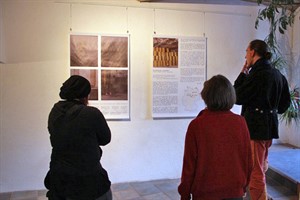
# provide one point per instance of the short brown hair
(218, 94)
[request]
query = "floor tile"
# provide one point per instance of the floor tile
(157, 196)
(120, 186)
(136, 198)
(144, 188)
(42, 192)
(5, 196)
(126, 194)
(173, 194)
(24, 195)
(42, 198)
(167, 186)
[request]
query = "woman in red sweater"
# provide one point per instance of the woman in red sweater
(217, 156)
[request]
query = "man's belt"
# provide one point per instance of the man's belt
(262, 110)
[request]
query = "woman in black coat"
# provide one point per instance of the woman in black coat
(76, 132)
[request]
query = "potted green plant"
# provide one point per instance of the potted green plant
(293, 111)
(280, 15)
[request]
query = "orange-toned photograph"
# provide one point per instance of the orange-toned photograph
(92, 76)
(114, 51)
(114, 85)
(84, 50)
(165, 52)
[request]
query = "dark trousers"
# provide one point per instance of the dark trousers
(106, 196)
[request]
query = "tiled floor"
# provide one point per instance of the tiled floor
(167, 189)
(149, 190)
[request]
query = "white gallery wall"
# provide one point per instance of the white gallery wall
(1, 36)
(36, 54)
(291, 133)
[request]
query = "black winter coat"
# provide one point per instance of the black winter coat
(76, 131)
(263, 93)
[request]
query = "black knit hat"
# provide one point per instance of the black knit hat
(75, 87)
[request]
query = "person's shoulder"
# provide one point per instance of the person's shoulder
(90, 112)
(91, 109)
(278, 72)
(202, 116)
(238, 118)
(278, 75)
(232, 115)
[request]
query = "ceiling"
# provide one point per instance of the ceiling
(224, 2)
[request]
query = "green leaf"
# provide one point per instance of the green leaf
(283, 25)
(281, 31)
(293, 112)
(256, 23)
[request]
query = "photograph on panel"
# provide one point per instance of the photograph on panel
(114, 84)
(165, 52)
(114, 51)
(84, 50)
(92, 76)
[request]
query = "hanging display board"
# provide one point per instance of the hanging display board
(104, 61)
(178, 74)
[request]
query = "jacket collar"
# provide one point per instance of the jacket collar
(261, 63)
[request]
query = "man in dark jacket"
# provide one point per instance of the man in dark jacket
(263, 93)
(76, 132)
